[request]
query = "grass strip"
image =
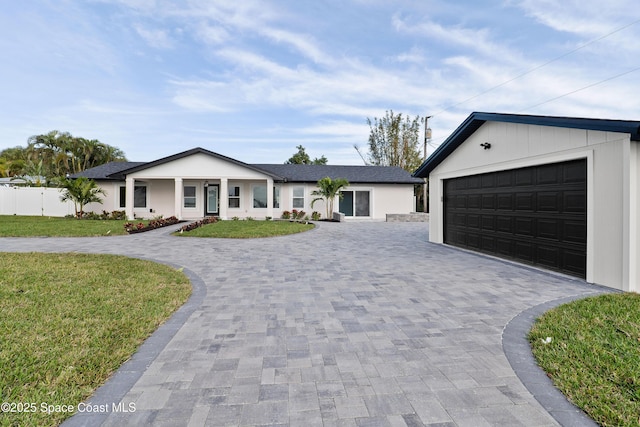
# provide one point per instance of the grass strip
(42, 226)
(70, 320)
(591, 350)
(248, 229)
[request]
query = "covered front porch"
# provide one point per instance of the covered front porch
(193, 198)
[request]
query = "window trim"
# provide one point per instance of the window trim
(122, 195)
(277, 192)
(238, 197)
(146, 196)
(185, 197)
(294, 197)
(253, 196)
(354, 202)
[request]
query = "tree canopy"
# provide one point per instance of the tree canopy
(56, 154)
(302, 158)
(394, 140)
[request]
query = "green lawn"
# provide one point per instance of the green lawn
(70, 320)
(248, 229)
(37, 226)
(594, 355)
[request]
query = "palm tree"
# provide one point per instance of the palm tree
(81, 191)
(327, 190)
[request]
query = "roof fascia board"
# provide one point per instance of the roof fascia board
(477, 119)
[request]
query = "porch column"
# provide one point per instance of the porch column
(128, 204)
(270, 197)
(178, 198)
(224, 198)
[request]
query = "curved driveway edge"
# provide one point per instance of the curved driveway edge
(518, 351)
(119, 384)
(355, 324)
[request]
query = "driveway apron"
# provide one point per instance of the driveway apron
(350, 324)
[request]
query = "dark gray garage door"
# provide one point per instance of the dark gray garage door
(536, 215)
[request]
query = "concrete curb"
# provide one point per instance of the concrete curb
(518, 351)
(123, 379)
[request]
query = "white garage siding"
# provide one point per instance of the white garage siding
(613, 181)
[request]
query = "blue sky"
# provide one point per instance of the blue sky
(252, 79)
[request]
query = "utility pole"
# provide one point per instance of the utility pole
(427, 134)
(427, 137)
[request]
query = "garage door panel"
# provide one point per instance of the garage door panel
(504, 179)
(574, 261)
(574, 172)
(548, 229)
(475, 182)
(525, 201)
(504, 224)
(547, 174)
(535, 215)
(524, 251)
(548, 256)
(504, 202)
(504, 247)
(488, 180)
(473, 240)
(473, 221)
(524, 177)
(574, 201)
(574, 232)
(489, 201)
(524, 226)
(474, 201)
(487, 243)
(488, 222)
(548, 201)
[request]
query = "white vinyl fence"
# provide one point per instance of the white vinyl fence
(39, 201)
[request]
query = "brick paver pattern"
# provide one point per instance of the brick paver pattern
(351, 324)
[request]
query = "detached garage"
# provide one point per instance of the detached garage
(554, 192)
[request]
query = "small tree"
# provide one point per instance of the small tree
(302, 158)
(327, 190)
(81, 191)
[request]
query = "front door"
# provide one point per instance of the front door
(212, 192)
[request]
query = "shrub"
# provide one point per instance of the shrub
(297, 215)
(315, 216)
(196, 224)
(286, 215)
(153, 224)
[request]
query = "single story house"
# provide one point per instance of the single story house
(560, 193)
(199, 182)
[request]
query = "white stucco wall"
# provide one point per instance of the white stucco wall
(162, 198)
(198, 166)
(518, 145)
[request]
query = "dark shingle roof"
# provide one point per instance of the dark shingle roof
(475, 120)
(108, 171)
(279, 172)
(353, 174)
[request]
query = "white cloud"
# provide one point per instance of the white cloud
(159, 39)
(581, 17)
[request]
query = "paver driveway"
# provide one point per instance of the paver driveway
(350, 324)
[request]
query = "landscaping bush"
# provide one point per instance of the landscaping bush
(153, 224)
(196, 224)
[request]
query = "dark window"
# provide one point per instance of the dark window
(140, 196)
